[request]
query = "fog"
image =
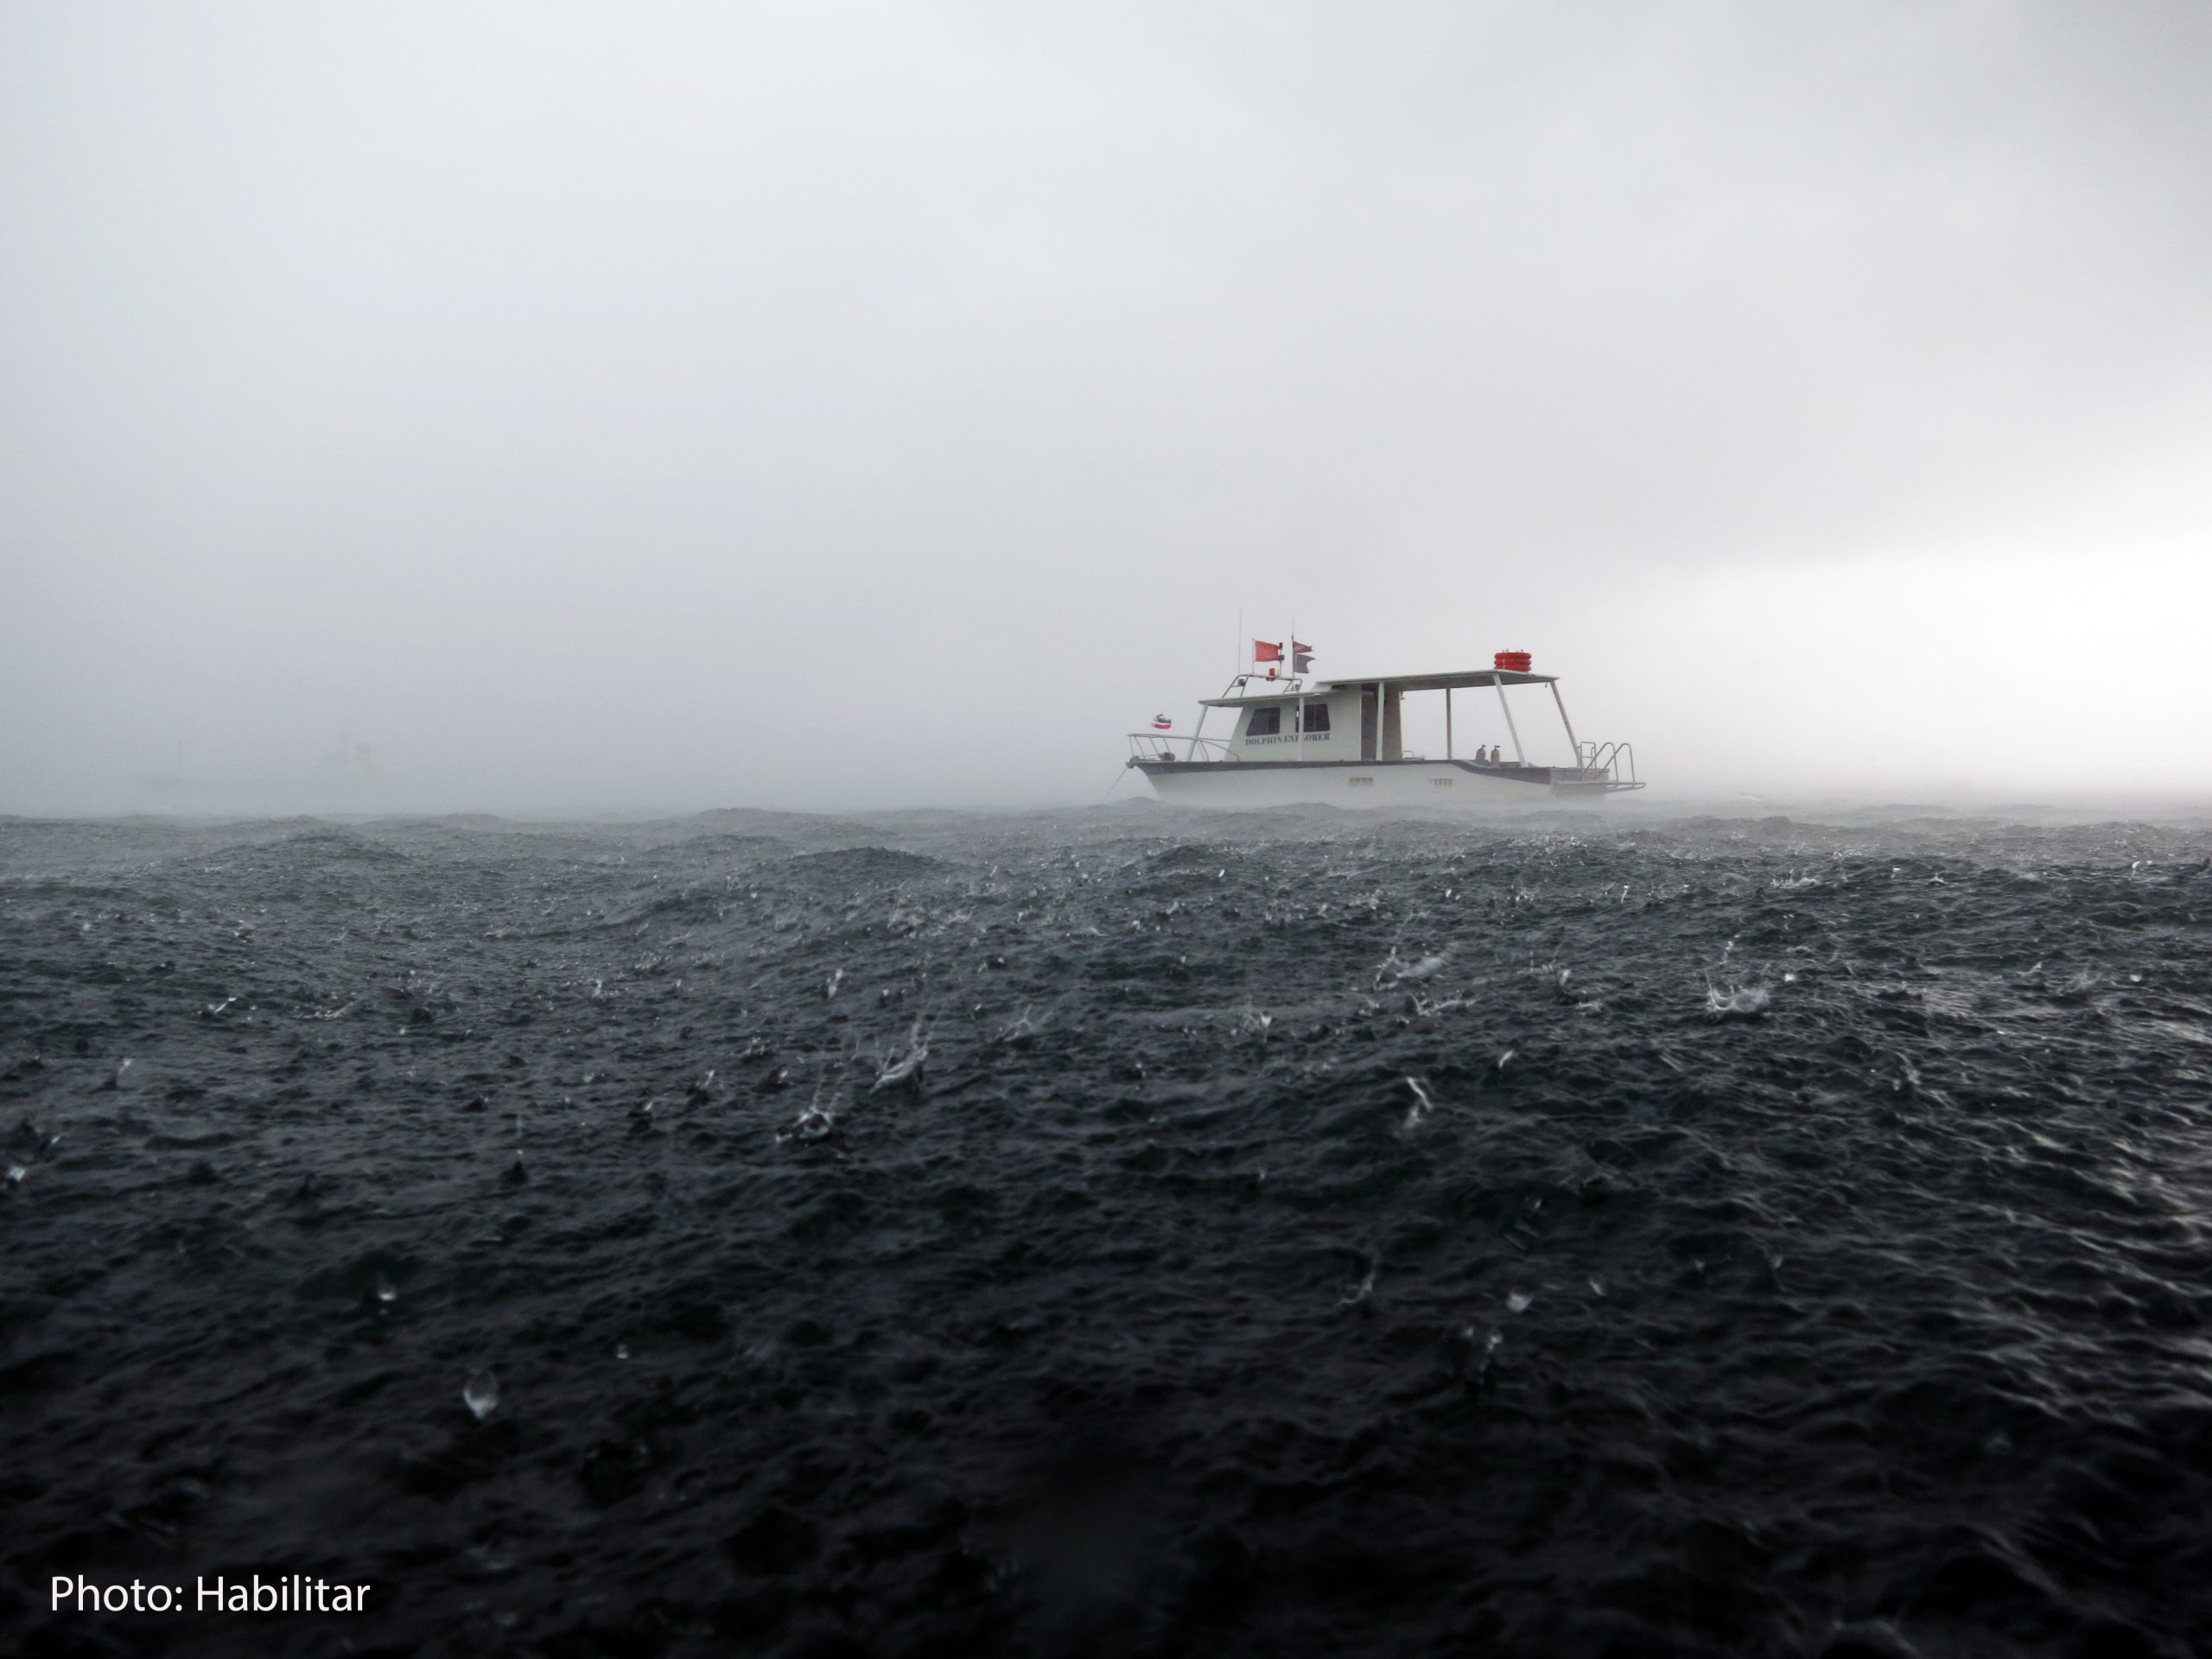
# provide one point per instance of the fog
(529, 408)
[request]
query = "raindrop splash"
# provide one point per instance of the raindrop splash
(480, 1394)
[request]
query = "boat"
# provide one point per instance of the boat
(1299, 741)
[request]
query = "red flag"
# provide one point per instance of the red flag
(1264, 653)
(1299, 645)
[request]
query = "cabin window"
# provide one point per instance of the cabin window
(1441, 783)
(1317, 718)
(1264, 722)
(1357, 782)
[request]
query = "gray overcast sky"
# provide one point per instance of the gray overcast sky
(856, 405)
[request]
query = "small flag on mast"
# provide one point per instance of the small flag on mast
(1264, 653)
(1161, 723)
(1301, 657)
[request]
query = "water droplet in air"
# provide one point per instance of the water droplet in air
(1597, 1286)
(387, 1291)
(480, 1394)
(621, 1350)
(1518, 1302)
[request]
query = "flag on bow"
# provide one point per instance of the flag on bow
(1161, 723)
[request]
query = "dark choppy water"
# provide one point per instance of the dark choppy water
(1556, 1238)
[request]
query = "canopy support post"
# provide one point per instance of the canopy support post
(1448, 722)
(1569, 724)
(1519, 757)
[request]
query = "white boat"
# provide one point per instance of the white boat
(1295, 742)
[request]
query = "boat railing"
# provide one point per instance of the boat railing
(1171, 746)
(1611, 765)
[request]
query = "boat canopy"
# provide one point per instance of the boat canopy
(1292, 689)
(1442, 682)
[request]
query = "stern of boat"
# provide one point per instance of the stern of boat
(1599, 769)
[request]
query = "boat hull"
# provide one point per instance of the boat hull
(1457, 785)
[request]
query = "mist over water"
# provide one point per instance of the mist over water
(486, 407)
(1115, 1231)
